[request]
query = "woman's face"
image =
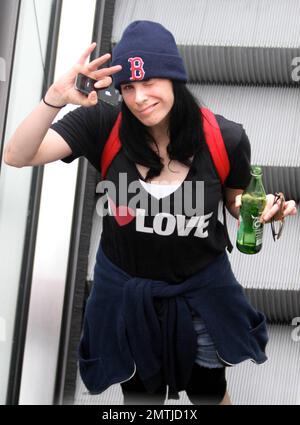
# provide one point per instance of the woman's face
(149, 101)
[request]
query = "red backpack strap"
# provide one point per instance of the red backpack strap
(217, 149)
(215, 143)
(112, 147)
(213, 138)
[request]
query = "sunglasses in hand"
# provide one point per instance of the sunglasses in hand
(277, 221)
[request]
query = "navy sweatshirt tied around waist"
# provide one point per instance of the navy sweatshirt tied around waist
(124, 331)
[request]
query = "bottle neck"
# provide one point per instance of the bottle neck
(256, 184)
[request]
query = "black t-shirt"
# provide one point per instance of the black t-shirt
(159, 239)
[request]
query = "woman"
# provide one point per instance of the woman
(165, 302)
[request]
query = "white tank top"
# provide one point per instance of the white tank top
(159, 190)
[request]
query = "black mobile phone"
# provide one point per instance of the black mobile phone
(108, 95)
(85, 84)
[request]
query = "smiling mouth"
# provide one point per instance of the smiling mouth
(148, 109)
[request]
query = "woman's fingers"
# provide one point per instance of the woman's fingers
(103, 83)
(269, 209)
(104, 76)
(92, 71)
(290, 208)
(269, 203)
(238, 201)
(94, 64)
(93, 98)
(83, 58)
(270, 213)
(90, 100)
(104, 72)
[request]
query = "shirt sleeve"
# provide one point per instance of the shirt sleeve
(240, 161)
(239, 152)
(86, 131)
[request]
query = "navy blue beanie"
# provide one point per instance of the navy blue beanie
(147, 50)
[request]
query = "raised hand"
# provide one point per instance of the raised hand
(63, 91)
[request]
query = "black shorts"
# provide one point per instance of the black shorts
(206, 386)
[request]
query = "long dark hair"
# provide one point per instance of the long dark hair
(185, 130)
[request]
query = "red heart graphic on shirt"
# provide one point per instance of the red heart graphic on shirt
(122, 213)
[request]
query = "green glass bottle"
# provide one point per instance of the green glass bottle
(250, 231)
